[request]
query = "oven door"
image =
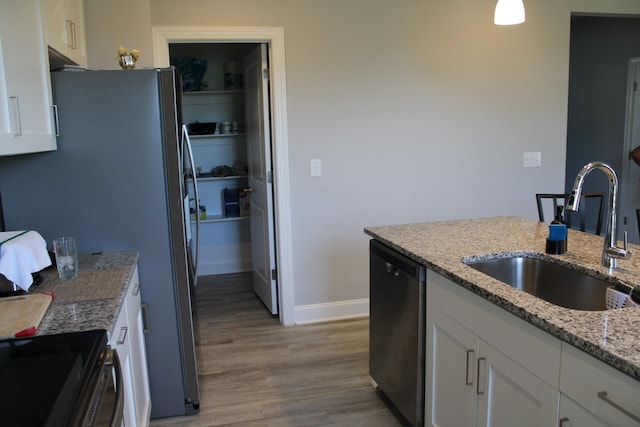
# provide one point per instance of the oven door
(104, 407)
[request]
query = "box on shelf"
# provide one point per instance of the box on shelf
(197, 128)
(231, 198)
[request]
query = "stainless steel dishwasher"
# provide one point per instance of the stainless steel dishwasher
(397, 304)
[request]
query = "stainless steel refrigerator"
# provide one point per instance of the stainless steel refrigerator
(117, 182)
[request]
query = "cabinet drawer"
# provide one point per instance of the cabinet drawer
(574, 415)
(583, 377)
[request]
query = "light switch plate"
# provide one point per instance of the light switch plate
(315, 167)
(532, 159)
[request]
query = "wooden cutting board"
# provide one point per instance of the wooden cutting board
(22, 312)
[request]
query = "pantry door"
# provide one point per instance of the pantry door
(260, 181)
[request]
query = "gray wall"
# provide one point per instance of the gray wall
(420, 111)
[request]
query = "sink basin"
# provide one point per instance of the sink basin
(554, 283)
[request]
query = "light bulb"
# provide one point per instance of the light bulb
(509, 12)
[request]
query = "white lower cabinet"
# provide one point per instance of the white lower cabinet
(120, 341)
(128, 341)
(487, 367)
(450, 385)
(510, 395)
(482, 370)
(595, 394)
(574, 415)
(473, 384)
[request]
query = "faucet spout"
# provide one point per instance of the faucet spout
(610, 252)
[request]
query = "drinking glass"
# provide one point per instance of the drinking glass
(66, 257)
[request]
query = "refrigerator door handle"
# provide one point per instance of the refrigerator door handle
(16, 123)
(56, 123)
(146, 321)
(187, 145)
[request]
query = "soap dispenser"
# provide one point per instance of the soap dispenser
(557, 240)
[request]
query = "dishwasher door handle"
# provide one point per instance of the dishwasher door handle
(392, 269)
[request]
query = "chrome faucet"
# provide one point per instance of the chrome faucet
(610, 252)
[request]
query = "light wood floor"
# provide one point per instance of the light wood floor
(255, 372)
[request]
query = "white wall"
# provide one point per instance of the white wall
(419, 109)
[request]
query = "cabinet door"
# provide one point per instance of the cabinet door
(64, 21)
(141, 395)
(450, 372)
(619, 407)
(74, 10)
(120, 342)
(128, 341)
(25, 89)
(56, 28)
(510, 395)
(574, 415)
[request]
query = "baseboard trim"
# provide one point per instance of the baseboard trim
(315, 313)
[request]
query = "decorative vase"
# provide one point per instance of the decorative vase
(127, 62)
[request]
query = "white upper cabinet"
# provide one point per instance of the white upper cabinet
(25, 90)
(64, 22)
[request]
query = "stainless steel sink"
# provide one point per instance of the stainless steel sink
(554, 283)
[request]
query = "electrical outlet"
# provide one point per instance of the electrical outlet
(315, 167)
(532, 159)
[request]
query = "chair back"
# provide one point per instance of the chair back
(591, 202)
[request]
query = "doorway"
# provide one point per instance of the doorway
(601, 48)
(225, 106)
(273, 38)
(630, 178)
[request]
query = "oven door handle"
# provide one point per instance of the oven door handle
(114, 361)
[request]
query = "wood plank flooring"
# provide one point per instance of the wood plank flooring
(255, 372)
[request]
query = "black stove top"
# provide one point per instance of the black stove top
(44, 379)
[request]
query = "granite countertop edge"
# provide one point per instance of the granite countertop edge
(611, 336)
(90, 314)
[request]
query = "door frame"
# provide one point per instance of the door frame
(629, 195)
(274, 38)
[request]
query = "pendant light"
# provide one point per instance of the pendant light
(509, 12)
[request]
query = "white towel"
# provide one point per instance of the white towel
(22, 253)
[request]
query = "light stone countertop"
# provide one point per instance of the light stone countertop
(612, 336)
(90, 310)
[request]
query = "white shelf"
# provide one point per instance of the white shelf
(220, 178)
(216, 135)
(225, 243)
(212, 92)
(220, 218)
